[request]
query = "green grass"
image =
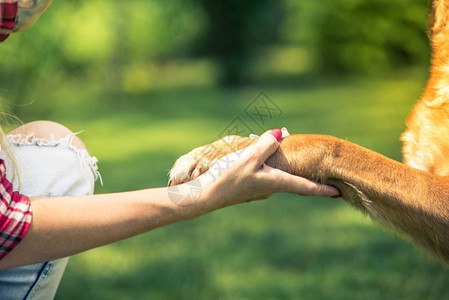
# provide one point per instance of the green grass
(288, 247)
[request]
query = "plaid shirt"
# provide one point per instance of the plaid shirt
(8, 17)
(15, 214)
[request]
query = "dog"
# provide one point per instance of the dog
(411, 198)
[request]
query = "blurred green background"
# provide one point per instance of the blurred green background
(149, 80)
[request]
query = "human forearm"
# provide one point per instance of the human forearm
(64, 226)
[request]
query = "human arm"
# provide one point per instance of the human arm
(64, 226)
(412, 202)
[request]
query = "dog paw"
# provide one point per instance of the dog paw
(199, 160)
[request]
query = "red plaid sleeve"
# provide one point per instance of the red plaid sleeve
(15, 214)
(8, 17)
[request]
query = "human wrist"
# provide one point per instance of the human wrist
(194, 198)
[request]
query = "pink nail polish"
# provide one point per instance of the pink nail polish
(277, 134)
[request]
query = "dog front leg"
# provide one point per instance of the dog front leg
(410, 201)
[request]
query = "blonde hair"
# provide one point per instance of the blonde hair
(8, 150)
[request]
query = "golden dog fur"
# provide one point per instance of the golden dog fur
(410, 198)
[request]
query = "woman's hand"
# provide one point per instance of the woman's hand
(63, 226)
(243, 175)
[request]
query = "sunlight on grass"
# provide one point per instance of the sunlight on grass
(288, 247)
(120, 139)
(103, 261)
(140, 79)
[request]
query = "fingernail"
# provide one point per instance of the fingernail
(277, 134)
(285, 132)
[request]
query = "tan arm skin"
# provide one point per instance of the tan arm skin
(412, 202)
(63, 226)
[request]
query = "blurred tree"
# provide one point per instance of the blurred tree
(79, 42)
(101, 41)
(359, 36)
(235, 32)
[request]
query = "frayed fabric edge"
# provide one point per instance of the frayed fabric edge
(31, 140)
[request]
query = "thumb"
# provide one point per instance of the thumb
(267, 144)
